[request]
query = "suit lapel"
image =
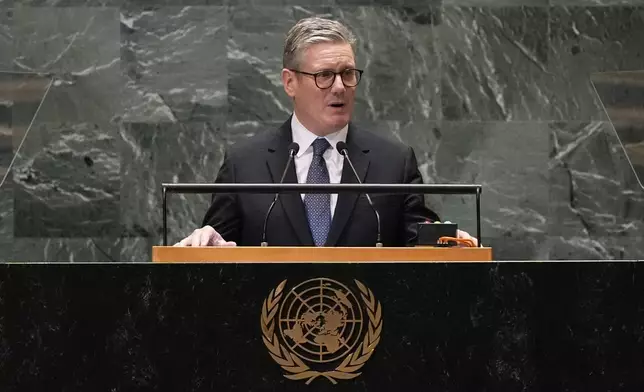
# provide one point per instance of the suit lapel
(291, 203)
(347, 201)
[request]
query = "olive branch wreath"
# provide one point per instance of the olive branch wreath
(295, 366)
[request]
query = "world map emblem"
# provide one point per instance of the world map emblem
(321, 328)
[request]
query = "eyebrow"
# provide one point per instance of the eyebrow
(333, 70)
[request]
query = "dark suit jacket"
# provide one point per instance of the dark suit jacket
(262, 159)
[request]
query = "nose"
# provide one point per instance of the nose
(338, 85)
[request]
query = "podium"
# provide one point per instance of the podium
(207, 326)
(273, 254)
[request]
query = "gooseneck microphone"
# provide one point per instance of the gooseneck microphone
(344, 151)
(293, 149)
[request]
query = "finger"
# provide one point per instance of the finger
(205, 237)
(217, 240)
(193, 239)
(474, 241)
(229, 243)
(465, 235)
(210, 234)
(472, 238)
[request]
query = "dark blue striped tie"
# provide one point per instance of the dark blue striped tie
(318, 206)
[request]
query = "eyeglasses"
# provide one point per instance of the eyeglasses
(325, 79)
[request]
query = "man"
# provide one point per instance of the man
(320, 77)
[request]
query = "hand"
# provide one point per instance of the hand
(206, 236)
(465, 235)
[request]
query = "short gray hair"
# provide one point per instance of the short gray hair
(313, 30)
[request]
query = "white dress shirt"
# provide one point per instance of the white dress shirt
(334, 160)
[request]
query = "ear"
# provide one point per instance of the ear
(289, 81)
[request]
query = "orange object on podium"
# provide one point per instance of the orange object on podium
(276, 254)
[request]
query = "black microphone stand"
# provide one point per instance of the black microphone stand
(344, 151)
(292, 151)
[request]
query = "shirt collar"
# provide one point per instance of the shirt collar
(305, 138)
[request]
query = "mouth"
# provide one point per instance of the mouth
(338, 105)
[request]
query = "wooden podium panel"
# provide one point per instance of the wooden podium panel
(172, 254)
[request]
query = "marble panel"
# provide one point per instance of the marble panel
(494, 62)
(585, 40)
(174, 63)
(596, 205)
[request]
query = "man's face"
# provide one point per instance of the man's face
(322, 111)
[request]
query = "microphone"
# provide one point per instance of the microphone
(344, 151)
(293, 149)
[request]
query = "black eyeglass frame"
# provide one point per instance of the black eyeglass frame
(335, 75)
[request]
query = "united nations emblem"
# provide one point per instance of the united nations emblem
(320, 328)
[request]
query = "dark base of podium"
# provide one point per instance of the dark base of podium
(460, 327)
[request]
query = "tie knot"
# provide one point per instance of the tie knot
(319, 146)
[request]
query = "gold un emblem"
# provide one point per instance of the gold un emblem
(320, 328)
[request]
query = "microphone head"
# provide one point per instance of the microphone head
(293, 148)
(342, 147)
